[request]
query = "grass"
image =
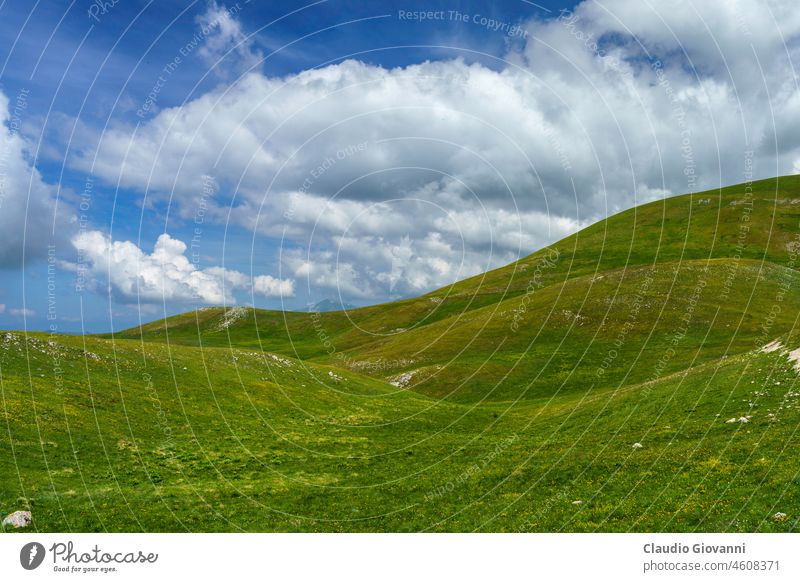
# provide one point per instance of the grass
(506, 402)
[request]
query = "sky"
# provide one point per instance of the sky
(158, 157)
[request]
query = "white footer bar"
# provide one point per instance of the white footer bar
(401, 557)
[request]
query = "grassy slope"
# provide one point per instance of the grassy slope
(577, 295)
(510, 419)
(230, 451)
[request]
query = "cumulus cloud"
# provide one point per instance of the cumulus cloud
(269, 286)
(27, 204)
(402, 247)
(385, 181)
(2, 308)
(166, 274)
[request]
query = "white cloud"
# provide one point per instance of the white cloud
(269, 286)
(374, 251)
(22, 312)
(29, 217)
(2, 308)
(385, 181)
(166, 274)
(717, 36)
(226, 48)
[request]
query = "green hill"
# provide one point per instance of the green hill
(547, 322)
(511, 401)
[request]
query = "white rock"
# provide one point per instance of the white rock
(772, 346)
(794, 357)
(577, 502)
(402, 380)
(780, 516)
(637, 445)
(18, 519)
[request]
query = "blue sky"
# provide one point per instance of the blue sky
(67, 57)
(356, 151)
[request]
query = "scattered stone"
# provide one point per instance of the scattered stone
(280, 360)
(577, 502)
(402, 380)
(231, 316)
(378, 365)
(334, 377)
(779, 517)
(570, 315)
(18, 519)
(730, 420)
(637, 445)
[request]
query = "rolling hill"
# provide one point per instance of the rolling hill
(617, 380)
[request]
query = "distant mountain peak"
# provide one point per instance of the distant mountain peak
(331, 305)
